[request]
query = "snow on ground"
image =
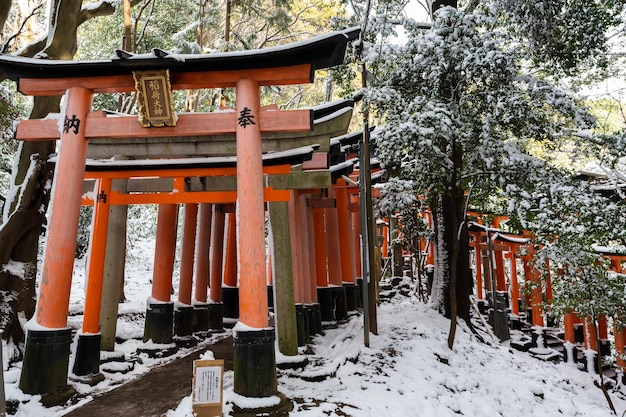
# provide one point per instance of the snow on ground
(407, 370)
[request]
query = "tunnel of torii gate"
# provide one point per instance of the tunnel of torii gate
(497, 264)
(294, 182)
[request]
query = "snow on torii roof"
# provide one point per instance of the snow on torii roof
(498, 234)
(321, 51)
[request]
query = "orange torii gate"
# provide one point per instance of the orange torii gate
(154, 76)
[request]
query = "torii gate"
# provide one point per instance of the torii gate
(46, 356)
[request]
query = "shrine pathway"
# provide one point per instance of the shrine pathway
(155, 392)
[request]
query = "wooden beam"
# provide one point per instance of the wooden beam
(115, 198)
(194, 124)
(296, 74)
(181, 172)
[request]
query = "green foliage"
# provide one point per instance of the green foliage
(563, 35)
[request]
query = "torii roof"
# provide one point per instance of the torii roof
(321, 51)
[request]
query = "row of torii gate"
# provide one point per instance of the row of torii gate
(228, 169)
(495, 264)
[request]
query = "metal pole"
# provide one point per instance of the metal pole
(363, 184)
(364, 250)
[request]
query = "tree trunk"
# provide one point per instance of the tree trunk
(5, 7)
(396, 249)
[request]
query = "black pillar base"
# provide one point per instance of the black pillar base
(270, 296)
(230, 299)
(579, 333)
(327, 303)
(310, 314)
(216, 317)
(159, 323)
(574, 358)
(605, 347)
(341, 304)
(254, 363)
(351, 296)
(87, 360)
(46, 359)
(535, 338)
(591, 362)
(359, 293)
(183, 321)
(281, 410)
(200, 318)
(515, 322)
(302, 325)
(317, 317)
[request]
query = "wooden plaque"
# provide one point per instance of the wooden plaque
(154, 98)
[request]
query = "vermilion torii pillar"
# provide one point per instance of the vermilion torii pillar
(88, 347)
(216, 307)
(160, 312)
(203, 241)
(48, 338)
(183, 310)
(254, 358)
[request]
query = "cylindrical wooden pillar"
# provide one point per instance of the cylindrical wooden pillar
(183, 311)
(254, 357)
(202, 253)
(87, 358)
(188, 254)
(216, 308)
(284, 300)
(333, 249)
(47, 349)
(345, 233)
(230, 291)
(217, 253)
(58, 263)
(115, 262)
(478, 258)
(160, 311)
(203, 241)
(296, 249)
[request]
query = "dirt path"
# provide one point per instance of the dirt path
(154, 393)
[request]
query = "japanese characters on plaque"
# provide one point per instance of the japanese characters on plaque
(154, 98)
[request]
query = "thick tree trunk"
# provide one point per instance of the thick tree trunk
(5, 7)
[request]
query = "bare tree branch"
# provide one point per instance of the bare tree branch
(5, 45)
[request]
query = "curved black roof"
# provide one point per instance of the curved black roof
(321, 51)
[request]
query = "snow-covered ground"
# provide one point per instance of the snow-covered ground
(407, 370)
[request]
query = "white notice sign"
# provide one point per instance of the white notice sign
(208, 384)
(208, 377)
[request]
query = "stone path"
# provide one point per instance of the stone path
(156, 392)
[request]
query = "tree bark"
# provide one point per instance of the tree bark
(5, 7)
